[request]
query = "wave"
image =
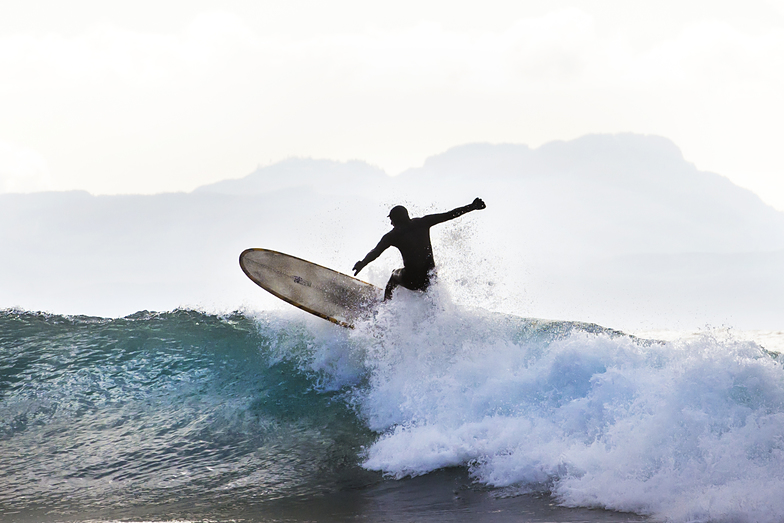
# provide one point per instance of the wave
(685, 430)
(159, 407)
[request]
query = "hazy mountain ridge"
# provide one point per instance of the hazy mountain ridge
(634, 193)
(633, 181)
(610, 229)
(326, 175)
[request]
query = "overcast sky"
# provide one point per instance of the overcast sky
(166, 95)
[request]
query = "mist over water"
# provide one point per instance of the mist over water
(614, 229)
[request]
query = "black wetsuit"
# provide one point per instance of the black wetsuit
(412, 238)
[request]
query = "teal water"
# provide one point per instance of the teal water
(426, 412)
(110, 417)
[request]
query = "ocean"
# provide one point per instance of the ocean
(427, 411)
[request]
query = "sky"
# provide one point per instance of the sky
(157, 96)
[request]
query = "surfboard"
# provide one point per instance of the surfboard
(318, 290)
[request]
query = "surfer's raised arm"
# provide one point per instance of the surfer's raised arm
(372, 255)
(411, 236)
(433, 219)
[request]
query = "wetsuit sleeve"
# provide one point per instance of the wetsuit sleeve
(433, 219)
(386, 242)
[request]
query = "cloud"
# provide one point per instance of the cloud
(561, 48)
(426, 57)
(776, 4)
(109, 51)
(712, 55)
(22, 169)
(142, 112)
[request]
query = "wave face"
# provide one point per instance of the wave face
(200, 413)
(179, 411)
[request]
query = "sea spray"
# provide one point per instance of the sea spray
(685, 431)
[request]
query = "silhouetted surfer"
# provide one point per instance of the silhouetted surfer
(412, 238)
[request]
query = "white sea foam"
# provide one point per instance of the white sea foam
(687, 430)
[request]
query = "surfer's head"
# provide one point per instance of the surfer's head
(398, 215)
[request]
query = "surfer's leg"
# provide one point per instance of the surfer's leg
(393, 282)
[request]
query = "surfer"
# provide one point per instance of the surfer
(411, 236)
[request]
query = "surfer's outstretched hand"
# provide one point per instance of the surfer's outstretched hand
(357, 267)
(478, 204)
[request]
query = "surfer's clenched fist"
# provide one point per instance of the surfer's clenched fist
(478, 204)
